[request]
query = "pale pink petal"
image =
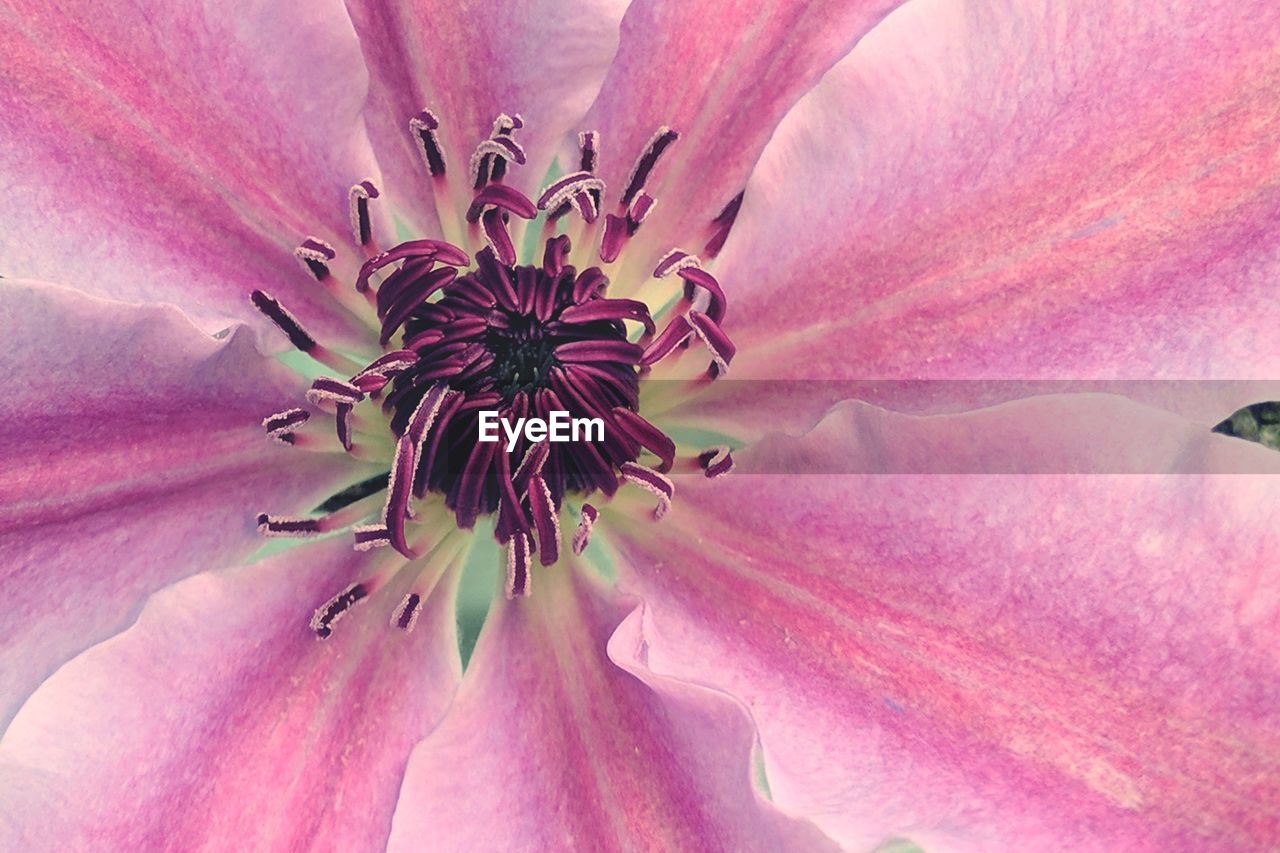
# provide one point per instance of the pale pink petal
(468, 64)
(181, 151)
(1079, 190)
(986, 661)
(722, 75)
(131, 455)
(551, 746)
(219, 721)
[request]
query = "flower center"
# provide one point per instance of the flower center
(524, 342)
(499, 339)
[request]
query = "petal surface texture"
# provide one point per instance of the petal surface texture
(132, 455)
(551, 744)
(181, 152)
(219, 719)
(1023, 189)
(988, 661)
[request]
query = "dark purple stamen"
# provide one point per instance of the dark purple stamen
(518, 566)
(406, 615)
(672, 336)
(273, 525)
(285, 422)
(521, 341)
(501, 196)
(640, 172)
(326, 389)
(722, 224)
(589, 146)
(358, 200)
(286, 322)
(370, 536)
(695, 278)
(423, 127)
(335, 608)
(651, 481)
(436, 251)
(546, 520)
(716, 341)
(582, 536)
(716, 462)
(343, 418)
(315, 255)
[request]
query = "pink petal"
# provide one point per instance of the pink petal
(181, 152)
(722, 75)
(988, 662)
(220, 720)
(550, 746)
(541, 59)
(131, 456)
(1031, 190)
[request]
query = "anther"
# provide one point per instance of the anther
(328, 614)
(637, 429)
(582, 536)
(709, 295)
(641, 206)
(315, 255)
(284, 423)
(405, 616)
(278, 525)
(675, 261)
(676, 332)
(484, 160)
(651, 481)
(342, 421)
(437, 251)
(501, 196)
(399, 489)
(411, 292)
(554, 255)
(640, 172)
(379, 372)
(368, 536)
(589, 146)
(545, 520)
(358, 207)
(588, 283)
(518, 566)
(488, 207)
(286, 322)
(715, 340)
(580, 189)
(423, 126)
(716, 462)
(609, 309)
(326, 389)
(598, 350)
(722, 224)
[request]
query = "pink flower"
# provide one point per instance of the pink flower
(1004, 644)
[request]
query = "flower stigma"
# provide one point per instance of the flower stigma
(478, 348)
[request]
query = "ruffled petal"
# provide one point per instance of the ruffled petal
(988, 661)
(132, 455)
(181, 152)
(1081, 190)
(220, 719)
(550, 745)
(541, 59)
(722, 75)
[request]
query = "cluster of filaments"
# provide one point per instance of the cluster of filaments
(524, 341)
